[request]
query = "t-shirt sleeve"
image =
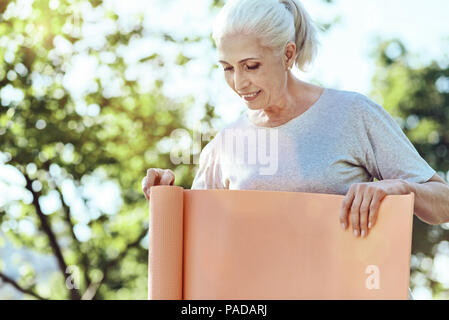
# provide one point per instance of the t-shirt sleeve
(209, 174)
(388, 153)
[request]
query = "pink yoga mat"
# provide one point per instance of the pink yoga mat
(236, 244)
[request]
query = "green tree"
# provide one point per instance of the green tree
(53, 136)
(418, 96)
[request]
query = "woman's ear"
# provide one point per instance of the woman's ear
(289, 55)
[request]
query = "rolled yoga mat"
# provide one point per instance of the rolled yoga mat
(239, 244)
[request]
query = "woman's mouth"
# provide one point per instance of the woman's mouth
(251, 96)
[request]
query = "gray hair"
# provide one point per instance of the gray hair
(274, 22)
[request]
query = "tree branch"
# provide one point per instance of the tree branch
(84, 258)
(74, 293)
(9, 280)
(68, 219)
(120, 257)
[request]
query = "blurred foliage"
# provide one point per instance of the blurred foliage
(418, 97)
(53, 137)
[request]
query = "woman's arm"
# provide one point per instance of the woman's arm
(431, 200)
(361, 204)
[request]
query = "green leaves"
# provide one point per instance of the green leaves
(48, 127)
(182, 59)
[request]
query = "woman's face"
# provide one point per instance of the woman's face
(253, 71)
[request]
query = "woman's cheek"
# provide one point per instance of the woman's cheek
(229, 81)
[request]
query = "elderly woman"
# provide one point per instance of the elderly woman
(328, 141)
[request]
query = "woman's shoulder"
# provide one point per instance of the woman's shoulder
(347, 96)
(360, 109)
(351, 101)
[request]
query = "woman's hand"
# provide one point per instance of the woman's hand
(361, 203)
(157, 177)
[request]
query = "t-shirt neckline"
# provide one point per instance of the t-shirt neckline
(295, 119)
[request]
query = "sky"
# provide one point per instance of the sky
(343, 62)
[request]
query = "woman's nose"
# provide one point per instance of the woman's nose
(240, 81)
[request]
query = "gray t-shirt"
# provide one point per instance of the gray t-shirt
(342, 139)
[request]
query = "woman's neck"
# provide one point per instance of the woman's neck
(299, 98)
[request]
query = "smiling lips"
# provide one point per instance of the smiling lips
(250, 96)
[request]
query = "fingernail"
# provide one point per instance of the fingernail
(356, 233)
(369, 225)
(343, 226)
(363, 233)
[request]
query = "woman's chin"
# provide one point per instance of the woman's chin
(253, 106)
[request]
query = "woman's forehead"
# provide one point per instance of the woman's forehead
(241, 61)
(235, 48)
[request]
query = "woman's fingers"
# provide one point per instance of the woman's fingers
(364, 213)
(351, 209)
(145, 187)
(152, 177)
(168, 177)
(355, 213)
(374, 208)
(346, 205)
(155, 177)
(361, 207)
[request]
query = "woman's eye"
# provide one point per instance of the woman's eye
(246, 66)
(253, 67)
